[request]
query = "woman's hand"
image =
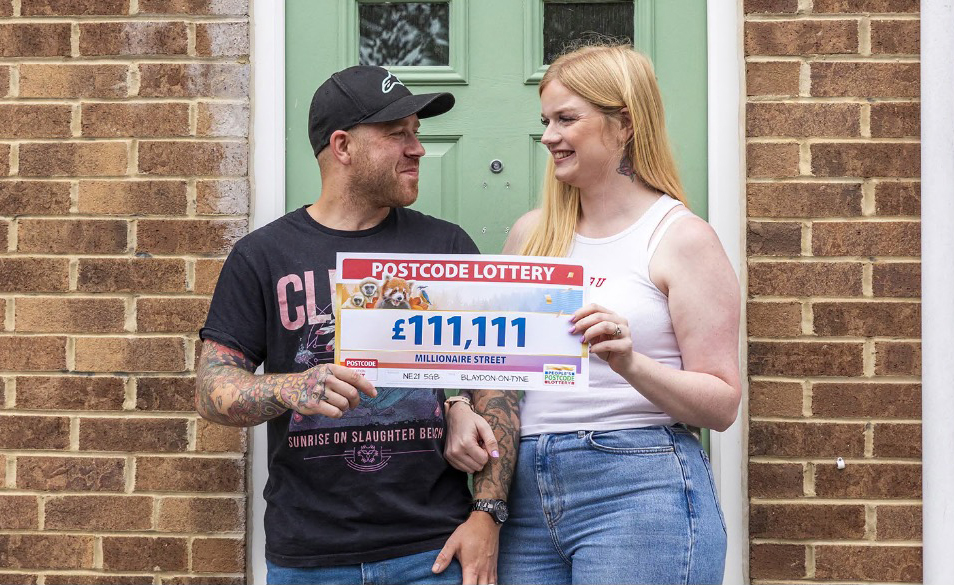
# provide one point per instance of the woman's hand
(470, 440)
(607, 333)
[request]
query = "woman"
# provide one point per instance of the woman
(610, 485)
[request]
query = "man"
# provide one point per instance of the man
(358, 489)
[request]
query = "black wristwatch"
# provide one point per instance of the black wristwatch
(496, 508)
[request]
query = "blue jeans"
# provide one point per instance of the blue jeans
(409, 569)
(629, 506)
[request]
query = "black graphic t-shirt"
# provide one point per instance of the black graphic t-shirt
(374, 484)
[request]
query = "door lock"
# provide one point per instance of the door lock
(496, 166)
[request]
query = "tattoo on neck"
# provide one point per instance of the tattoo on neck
(625, 168)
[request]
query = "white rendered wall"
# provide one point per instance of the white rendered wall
(937, 283)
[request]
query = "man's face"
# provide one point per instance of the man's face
(386, 162)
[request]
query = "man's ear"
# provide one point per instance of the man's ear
(341, 146)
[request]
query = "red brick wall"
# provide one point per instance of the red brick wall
(833, 239)
(123, 181)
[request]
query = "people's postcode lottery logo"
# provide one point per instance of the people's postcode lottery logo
(558, 374)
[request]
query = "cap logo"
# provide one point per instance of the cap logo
(389, 82)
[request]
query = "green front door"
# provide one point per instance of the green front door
(484, 163)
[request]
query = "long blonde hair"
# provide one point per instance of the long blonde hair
(611, 78)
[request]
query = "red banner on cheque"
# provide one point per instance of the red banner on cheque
(462, 270)
(460, 321)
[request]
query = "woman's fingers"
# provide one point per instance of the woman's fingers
(462, 460)
(591, 319)
(463, 447)
(610, 326)
(588, 310)
(586, 322)
(605, 331)
(611, 346)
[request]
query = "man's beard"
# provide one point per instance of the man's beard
(380, 187)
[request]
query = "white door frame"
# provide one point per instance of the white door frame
(726, 194)
(726, 181)
(268, 203)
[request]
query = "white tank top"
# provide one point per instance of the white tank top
(619, 280)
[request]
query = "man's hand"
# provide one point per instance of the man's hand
(228, 392)
(474, 543)
(329, 390)
(470, 440)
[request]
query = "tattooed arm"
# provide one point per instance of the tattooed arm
(474, 543)
(501, 410)
(228, 392)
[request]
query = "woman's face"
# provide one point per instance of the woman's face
(579, 137)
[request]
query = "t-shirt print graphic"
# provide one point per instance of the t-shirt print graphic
(317, 344)
(398, 421)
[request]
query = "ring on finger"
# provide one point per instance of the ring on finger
(618, 331)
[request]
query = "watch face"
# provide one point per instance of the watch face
(501, 512)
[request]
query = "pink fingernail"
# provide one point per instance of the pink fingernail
(571, 329)
(494, 454)
(582, 339)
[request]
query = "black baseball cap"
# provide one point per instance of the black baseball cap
(364, 95)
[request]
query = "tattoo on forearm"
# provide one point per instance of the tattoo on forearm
(501, 410)
(625, 168)
(229, 393)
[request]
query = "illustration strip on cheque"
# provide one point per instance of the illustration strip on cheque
(460, 321)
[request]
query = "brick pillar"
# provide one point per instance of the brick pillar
(833, 243)
(123, 182)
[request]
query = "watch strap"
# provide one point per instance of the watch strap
(491, 507)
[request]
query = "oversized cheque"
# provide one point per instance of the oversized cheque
(460, 321)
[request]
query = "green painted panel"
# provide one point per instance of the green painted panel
(539, 157)
(310, 58)
(680, 61)
(493, 52)
(438, 190)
